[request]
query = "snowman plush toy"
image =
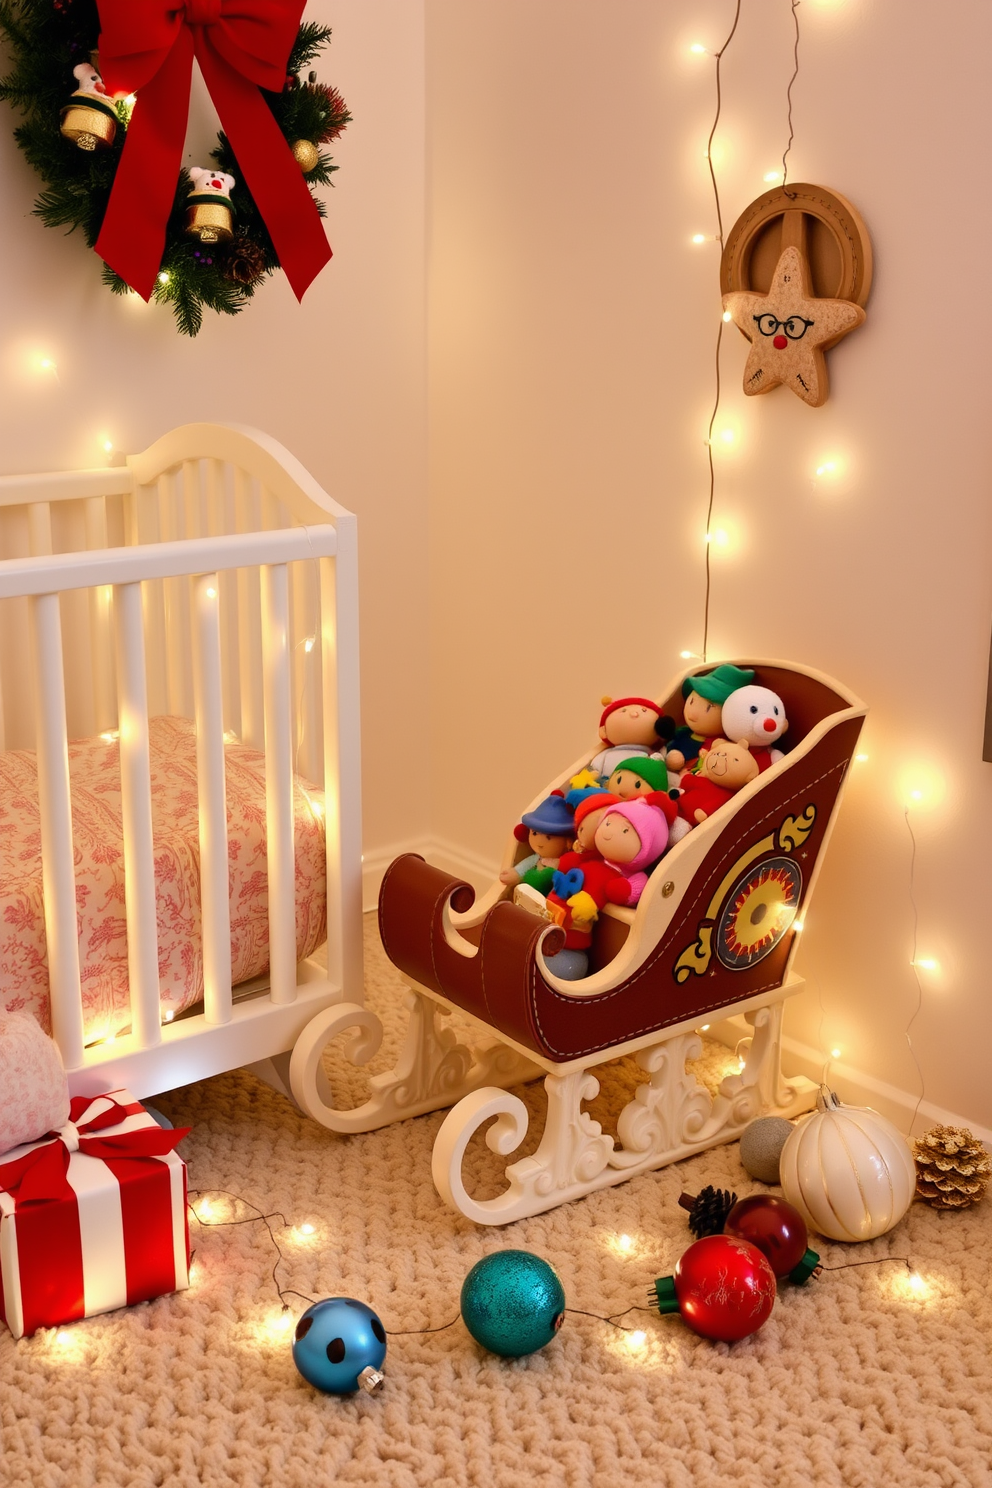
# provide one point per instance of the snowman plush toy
(757, 715)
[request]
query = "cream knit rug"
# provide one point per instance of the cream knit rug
(854, 1381)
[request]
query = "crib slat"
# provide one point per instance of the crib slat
(136, 810)
(279, 782)
(172, 526)
(342, 760)
(39, 529)
(220, 507)
(215, 906)
(248, 514)
(104, 702)
(307, 745)
(58, 875)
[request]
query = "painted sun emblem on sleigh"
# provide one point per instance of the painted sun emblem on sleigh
(761, 907)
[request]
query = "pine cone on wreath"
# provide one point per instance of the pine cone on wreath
(952, 1167)
(708, 1210)
(244, 261)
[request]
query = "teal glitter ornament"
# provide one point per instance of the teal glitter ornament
(513, 1303)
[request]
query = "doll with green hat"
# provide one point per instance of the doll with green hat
(704, 696)
(636, 779)
(637, 776)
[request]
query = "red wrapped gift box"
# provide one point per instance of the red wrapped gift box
(92, 1217)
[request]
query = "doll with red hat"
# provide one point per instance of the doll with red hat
(569, 904)
(630, 726)
(548, 831)
(703, 712)
(628, 838)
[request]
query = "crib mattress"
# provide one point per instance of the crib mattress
(94, 774)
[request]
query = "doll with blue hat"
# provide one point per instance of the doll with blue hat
(703, 712)
(548, 831)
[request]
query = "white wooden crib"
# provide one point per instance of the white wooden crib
(208, 577)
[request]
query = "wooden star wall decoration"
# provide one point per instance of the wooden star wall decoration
(789, 330)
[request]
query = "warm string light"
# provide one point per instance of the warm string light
(279, 1323)
(719, 334)
(699, 238)
(203, 1216)
(795, 74)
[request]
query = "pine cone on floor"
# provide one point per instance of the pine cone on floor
(952, 1167)
(708, 1210)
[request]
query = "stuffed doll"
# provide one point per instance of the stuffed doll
(630, 726)
(758, 715)
(704, 700)
(631, 838)
(638, 777)
(548, 831)
(723, 769)
(569, 904)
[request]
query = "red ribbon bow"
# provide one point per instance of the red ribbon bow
(40, 1176)
(147, 47)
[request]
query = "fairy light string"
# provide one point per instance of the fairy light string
(719, 333)
(795, 58)
(259, 1217)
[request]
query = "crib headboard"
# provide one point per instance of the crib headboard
(149, 588)
(169, 492)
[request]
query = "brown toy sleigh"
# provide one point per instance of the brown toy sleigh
(713, 935)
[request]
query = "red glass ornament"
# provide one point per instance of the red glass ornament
(774, 1226)
(725, 1288)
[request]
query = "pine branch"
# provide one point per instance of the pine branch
(310, 39)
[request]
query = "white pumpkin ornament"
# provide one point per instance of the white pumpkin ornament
(848, 1171)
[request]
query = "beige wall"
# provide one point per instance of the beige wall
(572, 334)
(340, 380)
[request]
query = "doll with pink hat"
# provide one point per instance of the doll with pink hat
(632, 837)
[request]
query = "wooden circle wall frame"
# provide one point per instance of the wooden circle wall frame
(822, 224)
(795, 274)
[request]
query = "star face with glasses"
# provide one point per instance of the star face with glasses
(795, 328)
(789, 330)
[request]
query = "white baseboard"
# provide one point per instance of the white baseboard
(855, 1086)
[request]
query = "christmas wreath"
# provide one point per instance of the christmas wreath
(189, 239)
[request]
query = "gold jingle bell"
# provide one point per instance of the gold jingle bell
(306, 154)
(89, 121)
(209, 213)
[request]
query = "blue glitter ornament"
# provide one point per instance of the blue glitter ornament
(513, 1303)
(339, 1346)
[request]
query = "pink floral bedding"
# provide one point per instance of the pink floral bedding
(99, 857)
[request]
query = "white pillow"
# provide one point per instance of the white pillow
(34, 1092)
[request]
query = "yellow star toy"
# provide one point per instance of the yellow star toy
(789, 331)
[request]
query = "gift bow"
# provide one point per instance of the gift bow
(147, 47)
(41, 1175)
